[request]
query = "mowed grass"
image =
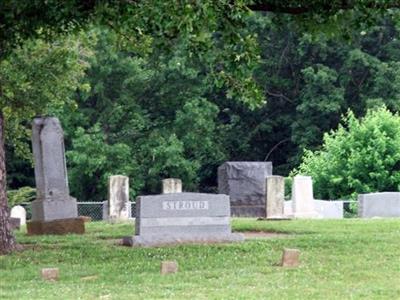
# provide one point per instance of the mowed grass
(343, 259)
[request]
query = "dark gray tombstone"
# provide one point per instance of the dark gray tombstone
(244, 182)
(53, 202)
(182, 218)
(384, 205)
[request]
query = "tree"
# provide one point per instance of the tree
(361, 156)
(202, 26)
(26, 91)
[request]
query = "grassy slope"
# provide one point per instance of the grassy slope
(340, 260)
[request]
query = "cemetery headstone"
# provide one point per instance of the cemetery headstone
(182, 218)
(385, 205)
(168, 267)
(117, 208)
(50, 274)
(54, 211)
(19, 212)
(325, 209)
(290, 257)
(275, 197)
(244, 182)
(302, 198)
(171, 185)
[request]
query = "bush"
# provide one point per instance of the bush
(22, 195)
(361, 156)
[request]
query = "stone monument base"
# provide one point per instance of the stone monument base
(306, 215)
(275, 218)
(153, 241)
(61, 226)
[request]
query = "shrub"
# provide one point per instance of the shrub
(361, 156)
(24, 194)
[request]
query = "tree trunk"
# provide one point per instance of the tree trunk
(7, 240)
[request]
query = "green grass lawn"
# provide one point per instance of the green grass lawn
(344, 259)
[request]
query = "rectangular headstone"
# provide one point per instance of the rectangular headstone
(384, 205)
(171, 185)
(275, 197)
(302, 198)
(180, 218)
(118, 197)
(244, 182)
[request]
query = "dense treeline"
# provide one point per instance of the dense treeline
(161, 114)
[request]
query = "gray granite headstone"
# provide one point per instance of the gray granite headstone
(244, 182)
(385, 205)
(181, 218)
(52, 201)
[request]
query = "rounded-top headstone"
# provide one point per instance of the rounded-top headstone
(19, 212)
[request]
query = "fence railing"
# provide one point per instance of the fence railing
(89, 209)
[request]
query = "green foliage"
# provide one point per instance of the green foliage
(21, 195)
(361, 156)
(93, 160)
(38, 78)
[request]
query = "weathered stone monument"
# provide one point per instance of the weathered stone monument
(274, 197)
(290, 258)
(171, 185)
(117, 207)
(302, 198)
(50, 274)
(244, 182)
(384, 205)
(182, 218)
(168, 267)
(54, 211)
(19, 212)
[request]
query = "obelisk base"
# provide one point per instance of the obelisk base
(61, 226)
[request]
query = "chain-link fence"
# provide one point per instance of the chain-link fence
(89, 209)
(95, 209)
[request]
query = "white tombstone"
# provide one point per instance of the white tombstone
(274, 197)
(171, 186)
(302, 198)
(20, 213)
(325, 209)
(118, 198)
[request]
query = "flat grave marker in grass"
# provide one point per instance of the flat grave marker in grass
(290, 258)
(50, 274)
(168, 267)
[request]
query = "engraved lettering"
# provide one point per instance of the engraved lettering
(185, 205)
